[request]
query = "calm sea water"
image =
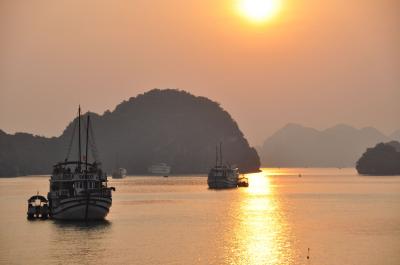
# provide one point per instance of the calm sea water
(343, 218)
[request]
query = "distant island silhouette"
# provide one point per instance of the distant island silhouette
(340, 146)
(395, 135)
(169, 126)
(383, 159)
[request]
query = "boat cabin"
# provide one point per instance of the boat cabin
(74, 178)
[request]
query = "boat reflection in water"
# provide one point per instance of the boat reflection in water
(261, 234)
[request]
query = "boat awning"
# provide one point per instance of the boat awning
(37, 197)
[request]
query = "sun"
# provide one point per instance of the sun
(259, 10)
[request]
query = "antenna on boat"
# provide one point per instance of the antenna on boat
(79, 134)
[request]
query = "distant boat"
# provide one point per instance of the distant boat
(119, 173)
(161, 169)
(222, 176)
(243, 182)
(78, 189)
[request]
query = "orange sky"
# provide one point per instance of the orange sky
(317, 63)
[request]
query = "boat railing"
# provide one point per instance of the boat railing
(62, 193)
(73, 176)
(68, 176)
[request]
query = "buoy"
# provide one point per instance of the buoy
(308, 253)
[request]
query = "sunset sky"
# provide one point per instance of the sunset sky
(312, 62)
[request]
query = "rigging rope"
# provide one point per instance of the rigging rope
(71, 142)
(92, 143)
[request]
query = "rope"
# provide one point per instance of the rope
(71, 142)
(92, 144)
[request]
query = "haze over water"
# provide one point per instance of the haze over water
(344, 218)
(316, 63)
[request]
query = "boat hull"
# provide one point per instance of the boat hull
(82, 208)
(222, 184)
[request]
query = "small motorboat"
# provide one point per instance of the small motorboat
(243, 182)
(38, 207)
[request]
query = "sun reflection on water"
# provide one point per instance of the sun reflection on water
(262, 232)
(259, 183)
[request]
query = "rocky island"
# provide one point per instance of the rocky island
(159, 126)
(381, 160)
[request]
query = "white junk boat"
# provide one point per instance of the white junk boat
(160, 169)
(120, 173)
(78, 189)
(222, 176)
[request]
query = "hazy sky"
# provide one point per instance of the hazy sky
(318, 62)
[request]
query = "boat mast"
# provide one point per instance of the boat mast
(216, 155)
(86, 167)
(220, 152)
(87, 144)
(79, 137)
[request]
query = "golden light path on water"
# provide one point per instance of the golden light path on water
(262, 232)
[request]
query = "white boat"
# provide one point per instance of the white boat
(222, 176)
(78, 189)
(120, 173)
(160, 169)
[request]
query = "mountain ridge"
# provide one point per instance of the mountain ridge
(295, 145)
(168, 125)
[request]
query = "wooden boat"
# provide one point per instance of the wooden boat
(222, 176)
(78, 189)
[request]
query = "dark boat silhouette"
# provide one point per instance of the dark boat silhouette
(222, 176)
(78, 189)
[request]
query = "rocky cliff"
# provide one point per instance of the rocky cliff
(167, 126)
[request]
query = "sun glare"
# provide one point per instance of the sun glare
(259, 183)
(259, 10)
